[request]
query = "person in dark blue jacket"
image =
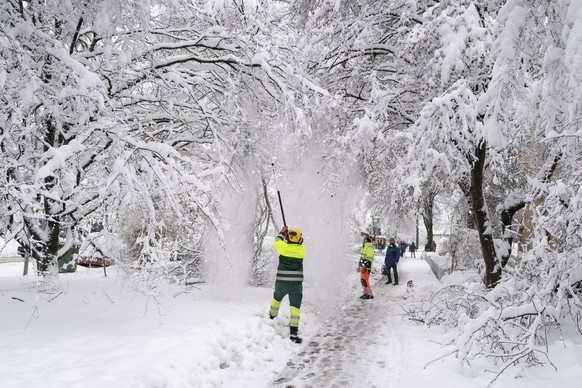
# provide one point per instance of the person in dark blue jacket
(402, 247)
(391, 261)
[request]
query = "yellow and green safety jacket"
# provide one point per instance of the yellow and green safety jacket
(367, 256)
(291, 255)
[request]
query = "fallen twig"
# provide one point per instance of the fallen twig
(444, 355)
(108, 297)
(55, 297)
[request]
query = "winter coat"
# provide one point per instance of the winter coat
(367, 256)
(291, 255)
(412, 247)
(392, 255)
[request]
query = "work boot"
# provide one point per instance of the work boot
(389, 281)
(271, 316)
(395, 283)
(295, 338)
(294, 335)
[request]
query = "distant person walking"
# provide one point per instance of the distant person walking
(289, 280)
(365, 266)
(391, 261)
(412, 249)
(402, 247)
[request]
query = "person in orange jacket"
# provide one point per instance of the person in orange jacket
(365, 266)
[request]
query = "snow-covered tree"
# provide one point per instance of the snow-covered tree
(356, 53)
(112, 103)
(535, 73)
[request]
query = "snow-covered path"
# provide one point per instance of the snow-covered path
(106, 332)
(361, 346)
(340, 354)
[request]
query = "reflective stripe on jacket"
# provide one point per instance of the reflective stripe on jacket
(367, 256)
(291, 255)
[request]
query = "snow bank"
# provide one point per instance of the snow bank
(439, 264)
(95, 331)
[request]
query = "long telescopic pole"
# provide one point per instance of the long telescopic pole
(278, 194)
(282, 212)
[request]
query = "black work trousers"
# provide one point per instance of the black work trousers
(393, 268)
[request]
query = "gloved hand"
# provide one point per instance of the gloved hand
(284, 230)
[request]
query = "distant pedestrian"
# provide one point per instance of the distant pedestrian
(402, 247)
(412, 249)
(391, 261)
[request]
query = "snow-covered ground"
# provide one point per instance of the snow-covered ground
(107, 332)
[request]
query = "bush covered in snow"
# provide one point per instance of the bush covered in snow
(514, 322)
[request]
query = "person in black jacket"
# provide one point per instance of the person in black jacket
(412, 249)
(391, 261)
(402, 247)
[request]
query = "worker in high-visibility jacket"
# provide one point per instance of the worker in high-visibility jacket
(365, 266)
(289, 280)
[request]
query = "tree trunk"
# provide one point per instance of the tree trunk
(482, 221)
(506, 233)
(48, 261)
(417, 241)
(427, 217)
(50, 258)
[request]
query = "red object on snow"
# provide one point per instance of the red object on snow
(94, 261)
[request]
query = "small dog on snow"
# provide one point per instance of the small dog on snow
(409, 286)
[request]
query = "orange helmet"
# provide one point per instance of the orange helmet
(294, 235)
